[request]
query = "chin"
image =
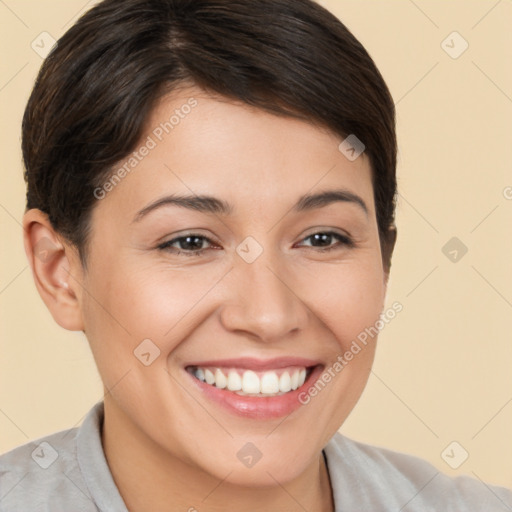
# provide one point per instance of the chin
(248, 466)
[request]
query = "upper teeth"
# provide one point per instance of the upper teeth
(247, 382)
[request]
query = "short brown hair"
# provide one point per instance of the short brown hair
(96, 88)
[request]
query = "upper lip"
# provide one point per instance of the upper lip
(255, 364)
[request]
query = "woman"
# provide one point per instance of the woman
(211, 192)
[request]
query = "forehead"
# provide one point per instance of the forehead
(195, 142)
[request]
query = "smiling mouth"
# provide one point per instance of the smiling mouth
(246, 382)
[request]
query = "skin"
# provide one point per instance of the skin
(164, 441)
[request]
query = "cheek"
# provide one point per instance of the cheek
(349, 307)
(347, 298)
(131, 303)
(160, 302)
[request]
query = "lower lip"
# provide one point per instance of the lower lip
(257, 407)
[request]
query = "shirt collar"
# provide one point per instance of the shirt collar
(93, 464)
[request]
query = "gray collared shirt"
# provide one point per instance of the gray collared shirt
(67, 472)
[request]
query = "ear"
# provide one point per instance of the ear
(55, 268)
(388, 245)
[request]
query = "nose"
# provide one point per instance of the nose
(264, 301)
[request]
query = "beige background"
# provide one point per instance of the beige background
(443, 367)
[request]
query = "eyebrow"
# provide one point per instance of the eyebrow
(213, 205)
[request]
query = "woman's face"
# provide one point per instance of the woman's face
(177, 293)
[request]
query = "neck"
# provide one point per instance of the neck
(149, 479)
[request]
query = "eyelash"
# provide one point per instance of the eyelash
(166, 246)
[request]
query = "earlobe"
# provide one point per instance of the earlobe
(54, 271)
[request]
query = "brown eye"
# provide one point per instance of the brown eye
(189, 245)
(323, 240)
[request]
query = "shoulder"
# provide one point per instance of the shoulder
(44, 473)
(366, 477)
